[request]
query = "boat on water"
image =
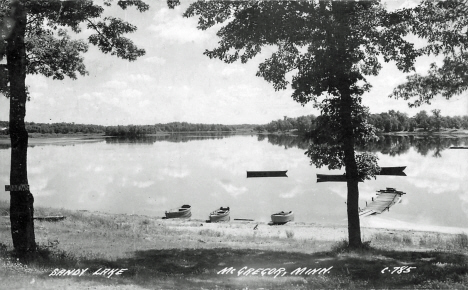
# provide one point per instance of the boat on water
(396, 170)
(282, 217)
(181, 212)
(459, 147)
(332, 178)
(267, 173)
(220, 215)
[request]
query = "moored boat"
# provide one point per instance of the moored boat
(282, 217)
(267, 173)
(220, 215)
(332, 178)
(182, 212)
(396, 170)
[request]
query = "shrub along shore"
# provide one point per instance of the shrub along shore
(137, 252)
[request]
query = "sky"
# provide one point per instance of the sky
(175, 82)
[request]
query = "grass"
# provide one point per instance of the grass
(210, 233)
(437, 241)
(289, 234)
(162, 254)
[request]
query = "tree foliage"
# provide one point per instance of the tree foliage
(302, 33)
(444, 25)
(324, 50)
(35, 40)
(310, 38)
(52, 52)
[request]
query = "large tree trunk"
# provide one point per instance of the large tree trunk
(343, 63)
(354, 227)
(21, 202)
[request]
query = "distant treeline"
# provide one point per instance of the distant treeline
(396, 121)
(175, 127)
(125, 131)
(393, 121)
(302, 125)
(57, 128)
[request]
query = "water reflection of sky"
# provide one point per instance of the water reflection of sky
(152, 177)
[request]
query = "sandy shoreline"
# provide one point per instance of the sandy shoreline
(189, 254)
(300, 231)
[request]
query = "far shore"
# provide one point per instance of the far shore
(37, 138)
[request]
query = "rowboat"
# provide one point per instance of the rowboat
(182, 212)
(458, 147)
(332, 178)
(282, 217)
(397, 170)
(266, 173)
(220, 215)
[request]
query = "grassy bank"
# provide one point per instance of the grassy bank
(169, 254)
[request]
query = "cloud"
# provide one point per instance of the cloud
(143, 184)
(155, 60)
(232, 69)
(115, 84)
(157, 201)
(170, 25)
(232, 189)
(174, 172)
(140, 77)
(37, 82)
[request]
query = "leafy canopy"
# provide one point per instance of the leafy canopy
(52, 52)
(445, 27)
(323, 50)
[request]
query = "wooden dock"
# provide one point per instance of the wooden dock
(385, 199)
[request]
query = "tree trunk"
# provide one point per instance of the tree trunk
(344, 45)
(21, 202)
(354, 227)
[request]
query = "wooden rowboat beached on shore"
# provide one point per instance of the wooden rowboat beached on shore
(220, 215)
(182, 212)
(282, 217)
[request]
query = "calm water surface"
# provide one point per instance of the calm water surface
(150, 175)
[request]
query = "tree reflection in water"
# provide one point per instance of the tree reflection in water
(388, 145)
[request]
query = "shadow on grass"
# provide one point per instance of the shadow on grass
(199, 268)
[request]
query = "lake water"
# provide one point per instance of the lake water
(150, 175)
